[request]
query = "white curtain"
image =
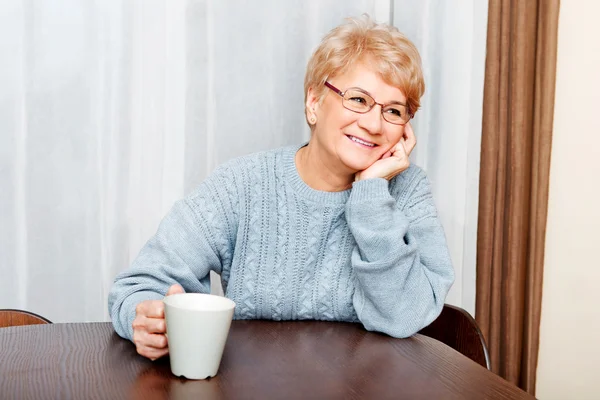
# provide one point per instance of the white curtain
(111, 110)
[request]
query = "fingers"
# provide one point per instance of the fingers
(143, 326)
(155, 325)
(398, 163)
(387, 154)
(142, 337)
(155, 341)
(151, 309)
(151, 352)
(394, 161)
(399, 151)
(150, 345)
(410, 140)
(175, 289)
(149, 327)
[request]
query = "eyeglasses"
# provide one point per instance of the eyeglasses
(359, 101)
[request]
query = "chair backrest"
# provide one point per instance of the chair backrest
(456, 328)
(19, 317)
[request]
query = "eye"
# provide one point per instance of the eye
(395, 111)
(358, 99)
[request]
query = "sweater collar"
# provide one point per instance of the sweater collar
(301, 188)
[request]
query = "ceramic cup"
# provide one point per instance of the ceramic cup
(197, 329)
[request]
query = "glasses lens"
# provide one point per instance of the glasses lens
(396, 114)
(358, 101)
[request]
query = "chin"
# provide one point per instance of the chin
(356, 164)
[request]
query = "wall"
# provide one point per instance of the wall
(570, 325)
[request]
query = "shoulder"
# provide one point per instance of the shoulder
(246, 162)
(241, 172)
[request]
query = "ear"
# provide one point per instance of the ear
(312, 104)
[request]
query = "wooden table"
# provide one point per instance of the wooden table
(262, 360)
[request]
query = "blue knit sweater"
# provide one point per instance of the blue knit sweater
(375, 253)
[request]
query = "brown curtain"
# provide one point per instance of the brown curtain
(518, 111)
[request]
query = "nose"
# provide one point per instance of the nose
(372, 120)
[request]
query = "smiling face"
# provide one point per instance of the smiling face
(351, 142)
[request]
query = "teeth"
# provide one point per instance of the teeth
(357, 140)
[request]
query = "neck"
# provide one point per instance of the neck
(319, 174)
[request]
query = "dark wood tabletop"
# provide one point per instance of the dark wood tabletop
(262, 360)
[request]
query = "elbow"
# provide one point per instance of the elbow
(396, 330)
(403, 322)
(114, 312)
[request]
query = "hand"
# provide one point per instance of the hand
(394, 161)
(149, 327)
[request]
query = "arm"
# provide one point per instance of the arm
(191, 241)
(401, 262)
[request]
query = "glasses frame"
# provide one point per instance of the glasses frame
(341, 94)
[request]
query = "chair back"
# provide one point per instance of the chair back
(456, 328)
(19, 317)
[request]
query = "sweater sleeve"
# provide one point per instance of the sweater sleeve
(192, 239)
(401, 262)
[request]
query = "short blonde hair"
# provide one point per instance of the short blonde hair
(361, 39)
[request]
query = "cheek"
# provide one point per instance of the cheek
(394, 135)
(340, 118)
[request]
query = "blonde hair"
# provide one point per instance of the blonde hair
(392, 55)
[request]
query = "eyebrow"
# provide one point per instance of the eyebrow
(398, 102)
(339, 92)
(373, 97)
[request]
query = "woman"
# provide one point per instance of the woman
(342, 228)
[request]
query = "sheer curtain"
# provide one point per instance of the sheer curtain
(111, 110)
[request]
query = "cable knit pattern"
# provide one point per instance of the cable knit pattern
(282, 240)
(327, 275)
(375, 253)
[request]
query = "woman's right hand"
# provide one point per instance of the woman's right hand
(395, 161)
(149, 327)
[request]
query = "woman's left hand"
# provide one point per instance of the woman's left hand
(394, 161)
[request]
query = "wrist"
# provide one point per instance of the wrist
(368, 190)
(362, 175)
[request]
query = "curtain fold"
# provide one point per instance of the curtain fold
(518, 111)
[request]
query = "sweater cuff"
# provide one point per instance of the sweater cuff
(369, 189)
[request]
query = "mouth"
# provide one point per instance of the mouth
(362, 142)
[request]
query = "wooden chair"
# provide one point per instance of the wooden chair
(19, 318)
(457, 328)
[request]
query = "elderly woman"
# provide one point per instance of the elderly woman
(341, 229)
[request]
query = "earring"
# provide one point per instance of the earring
(313, 120)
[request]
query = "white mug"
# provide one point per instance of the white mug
(197, 329)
